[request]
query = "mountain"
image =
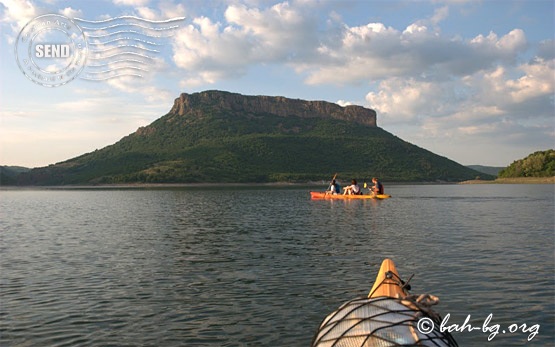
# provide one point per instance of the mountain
(537, 164)
(216, 136)
(489, 170)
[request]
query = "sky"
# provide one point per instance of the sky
(472, 81)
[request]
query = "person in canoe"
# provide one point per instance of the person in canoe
(335, 188)
(377, 188)
(353, 189)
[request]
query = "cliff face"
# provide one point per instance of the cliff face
(187, 104)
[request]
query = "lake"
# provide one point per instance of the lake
(262, 266)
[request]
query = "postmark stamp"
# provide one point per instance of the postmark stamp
(51, 50)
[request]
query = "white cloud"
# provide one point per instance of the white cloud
(165, 10)
(514, 41)
(343, 103)
(18, 12)
(526, 89)
(170, 10)
(523, 91)
(440, 14)
(498, 48)
(147, 13)
(131, 3)
(374, 52)
(141, 86)
(210, 51)
(71, 13)
(511, 105)
(208, 54)
(409, 100)
(278, 30)
(10, 114)
(537, 81)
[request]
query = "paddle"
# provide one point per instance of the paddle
(371, 191)
(329, 185)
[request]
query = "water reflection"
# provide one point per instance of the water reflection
(263, 266)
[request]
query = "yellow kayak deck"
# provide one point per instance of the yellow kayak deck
(388, 282)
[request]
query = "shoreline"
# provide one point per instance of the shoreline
(159, 185)
(514, 180)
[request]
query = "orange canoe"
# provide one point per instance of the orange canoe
(324, 195)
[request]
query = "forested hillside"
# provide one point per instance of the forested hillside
(217, 136)
(537, 164)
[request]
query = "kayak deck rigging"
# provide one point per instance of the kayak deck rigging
(388, 316)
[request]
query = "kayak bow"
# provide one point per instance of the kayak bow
(387, 317)
(388, 283)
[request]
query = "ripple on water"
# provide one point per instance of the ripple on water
(262, 266)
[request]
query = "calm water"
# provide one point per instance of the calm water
(263, 266)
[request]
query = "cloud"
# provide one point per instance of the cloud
(525, 91)
(493, 87)
(18, 12)
(146, 85)
(405, 100)
(165, 10)
(147, 13)
(537, 81)
(210, 51)
(343, 103)
(131, 3)
(71, 13)
(277, 30)
(511, 105)
(373, 52)
(440, 14)
(330, 52)
(8, 114)
(134, 85)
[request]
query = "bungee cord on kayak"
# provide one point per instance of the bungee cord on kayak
(390, 275)
(388, 316)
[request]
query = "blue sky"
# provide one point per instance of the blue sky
(473, 81)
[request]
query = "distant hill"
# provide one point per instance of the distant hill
(537, 164)
(489, 170)
(216, 136)
(8, 174)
